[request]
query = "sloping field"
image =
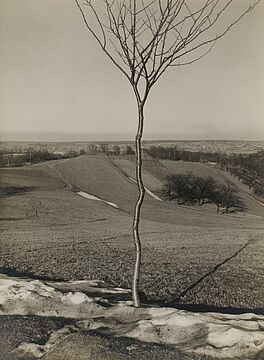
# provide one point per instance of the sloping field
(199, 169)
(126, 164)
(189, 256)
(155, 173)
(203, 170)
(31, 176)
(107, 179)
(96, 176)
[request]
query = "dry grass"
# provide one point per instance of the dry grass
(57, 234)
(17, 329)
(155, 173)
(127, 165)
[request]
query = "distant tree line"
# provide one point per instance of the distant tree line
(191, 189)
(248, 168)
(116, 149)
(173, 153)
(19, 157)
(14, 157)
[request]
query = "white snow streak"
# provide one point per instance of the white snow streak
(148, 191)
(92, 197)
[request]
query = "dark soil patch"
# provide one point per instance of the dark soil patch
(204, 308)
(27, 274)
(16, 329)
(13, 190)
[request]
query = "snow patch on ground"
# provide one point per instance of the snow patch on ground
(92, 197)
(148, 191)
(220, 335)
(25, 297)
(215, 334)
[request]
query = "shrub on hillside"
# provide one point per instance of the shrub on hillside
(226, 196)
(180, 187)
(130, 150)
(258, 188)
(116, 150)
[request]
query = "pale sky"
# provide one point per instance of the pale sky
(55, 79)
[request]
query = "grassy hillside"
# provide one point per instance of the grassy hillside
(155, 173)
(127, 165)
(182, 167)
(189, 256)
(31, 176)
(95, 175)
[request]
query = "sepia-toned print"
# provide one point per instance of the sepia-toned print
(131, 180)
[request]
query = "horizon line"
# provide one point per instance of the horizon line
(49, 137)
(127, 140)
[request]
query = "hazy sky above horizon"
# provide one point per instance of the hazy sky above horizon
(55, 79)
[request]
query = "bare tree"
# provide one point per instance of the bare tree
(143, 38)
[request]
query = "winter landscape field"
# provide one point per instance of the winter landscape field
(54, 229)
(131, 180)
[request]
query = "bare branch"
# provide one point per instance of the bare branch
(102, 44)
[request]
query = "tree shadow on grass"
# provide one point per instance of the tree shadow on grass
(176, 302)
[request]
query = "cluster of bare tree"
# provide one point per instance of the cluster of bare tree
(191, 189)
(249, 168)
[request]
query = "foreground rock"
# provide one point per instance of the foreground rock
(94, 306)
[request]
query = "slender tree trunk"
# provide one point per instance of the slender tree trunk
(136, 219)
